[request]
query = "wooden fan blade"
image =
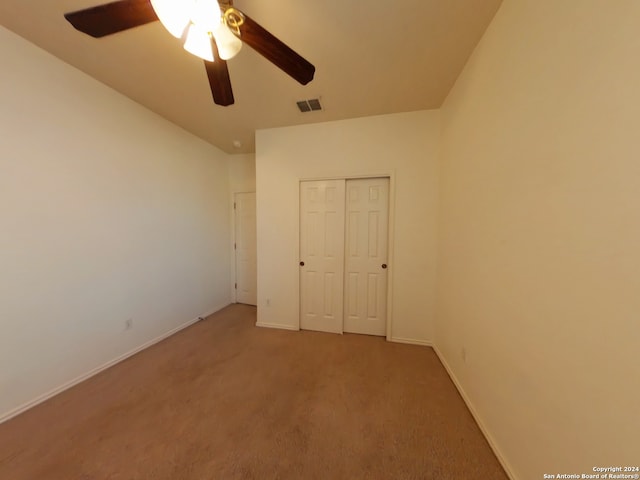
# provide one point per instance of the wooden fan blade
(263, 42)
(219, 82)
(112, 17)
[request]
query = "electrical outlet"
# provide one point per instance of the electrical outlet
(128, 324)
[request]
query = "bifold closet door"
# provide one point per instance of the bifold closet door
(322, 255)
(366, 238)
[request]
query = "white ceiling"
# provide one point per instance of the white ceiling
(371, 58)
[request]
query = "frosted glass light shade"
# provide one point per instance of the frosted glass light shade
(195, 21)
(205, 13)
(174, 15)
(198, 43)
(228, 44)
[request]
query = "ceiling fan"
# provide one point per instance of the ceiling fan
(212, 30)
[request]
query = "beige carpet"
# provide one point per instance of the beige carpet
(225, 400)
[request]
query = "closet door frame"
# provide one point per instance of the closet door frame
(390, 245)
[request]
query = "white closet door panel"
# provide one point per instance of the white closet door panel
(322, 252)
(367, 214)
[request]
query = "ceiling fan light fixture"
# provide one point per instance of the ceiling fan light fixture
(197, 23)
(228, 44)
(198, 43)
(194, 21)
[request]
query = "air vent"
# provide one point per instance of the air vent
(311, 105)
(303, 106)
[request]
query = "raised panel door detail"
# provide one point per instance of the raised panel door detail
(372, 296)
(374, 193)
(352, 296)
(312, 228)
(353, 245)
(373, 233)
(310, 287)
(331, 229)
(329, 290)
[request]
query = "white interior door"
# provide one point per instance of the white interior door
(321, 255)
(245, 248)
(365, 284)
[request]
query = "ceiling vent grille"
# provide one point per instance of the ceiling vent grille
(311, 105)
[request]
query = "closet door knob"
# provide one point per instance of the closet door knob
(384, 265)
(302, 264)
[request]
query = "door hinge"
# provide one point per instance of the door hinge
(234, 205)
(234, 246)
(236, 286)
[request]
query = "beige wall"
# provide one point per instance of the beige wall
(107, 212)
(539, 254)
(242, 173)
(404, 145)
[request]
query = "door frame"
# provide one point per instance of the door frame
(390, 174)
(232, 243)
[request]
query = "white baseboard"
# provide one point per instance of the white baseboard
(276, 325)
(485, 431)
(65, 386)
(411, 341)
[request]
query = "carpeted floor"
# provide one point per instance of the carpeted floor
(226, 400)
